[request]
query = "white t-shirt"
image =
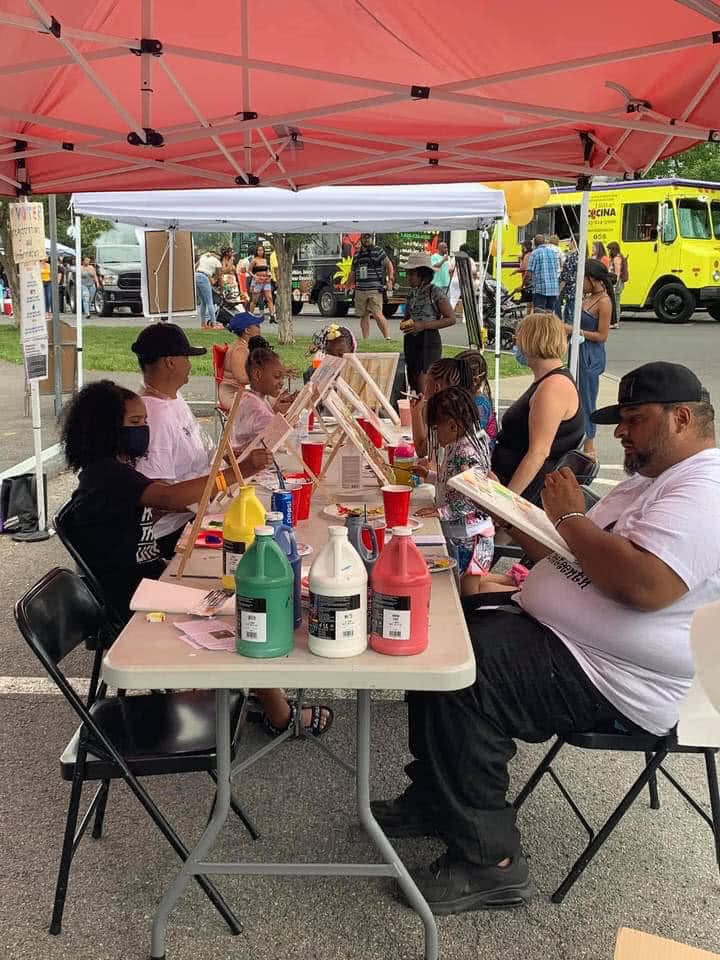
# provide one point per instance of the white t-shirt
(640, 661)
(209, 264)
(253, 415)
(179, 450)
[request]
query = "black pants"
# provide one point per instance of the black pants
(529, 687)
(166, 545)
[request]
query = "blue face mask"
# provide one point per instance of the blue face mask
(519, 356)
(134, 441)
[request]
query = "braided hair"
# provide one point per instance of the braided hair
(478, 371)
(596, 270)
(452, 371)
(456, 404)
(260, 357)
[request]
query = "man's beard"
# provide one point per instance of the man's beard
(634, 462)
(638, 460)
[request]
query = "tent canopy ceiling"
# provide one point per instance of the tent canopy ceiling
(319, 92)
(460, 206)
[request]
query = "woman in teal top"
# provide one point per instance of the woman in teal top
(598, 312)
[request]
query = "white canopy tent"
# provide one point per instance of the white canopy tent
(377, 209)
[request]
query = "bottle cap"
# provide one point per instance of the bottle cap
(274, 515)
(335, 531)
(264, 531)
(401, 531)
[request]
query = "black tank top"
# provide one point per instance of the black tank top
(514, 437)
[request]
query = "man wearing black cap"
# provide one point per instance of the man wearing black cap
(179, 447)
(594, 644)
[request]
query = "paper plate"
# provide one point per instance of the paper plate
(438, 562)
(339, 511)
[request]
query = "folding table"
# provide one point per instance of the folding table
(152, 655)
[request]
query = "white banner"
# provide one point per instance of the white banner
(32, 302)
(27, 226)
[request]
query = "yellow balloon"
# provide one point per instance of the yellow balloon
(521, 218)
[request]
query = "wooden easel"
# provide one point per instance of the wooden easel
(224, 449)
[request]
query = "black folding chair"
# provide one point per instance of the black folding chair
(656, 750)
(119, 737)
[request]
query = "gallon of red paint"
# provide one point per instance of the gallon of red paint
(400, 598)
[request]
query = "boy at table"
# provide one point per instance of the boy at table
(603, 642)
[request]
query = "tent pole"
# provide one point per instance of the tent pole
(55, 304)
(171, 272)
(481, 286)
(78, 302)
(580, 276)
(498, 315)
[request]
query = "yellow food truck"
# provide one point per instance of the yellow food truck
(669, 230)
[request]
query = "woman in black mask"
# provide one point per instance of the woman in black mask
(104, 433)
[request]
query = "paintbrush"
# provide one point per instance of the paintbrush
(278, 471)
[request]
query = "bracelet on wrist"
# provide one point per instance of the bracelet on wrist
(567, 516)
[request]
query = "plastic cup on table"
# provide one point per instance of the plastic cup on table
(372, 432)
(311, 421)
(391, 454)
(396, 499)
(379, 526)
(301, 488)
(312, 454)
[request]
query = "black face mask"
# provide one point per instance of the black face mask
(134, 441)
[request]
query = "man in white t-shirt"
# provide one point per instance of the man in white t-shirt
(179, 447)
(601, 643)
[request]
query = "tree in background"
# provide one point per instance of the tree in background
(211, 241)
(698, 163)
(285, 246)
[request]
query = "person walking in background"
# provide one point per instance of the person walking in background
(371, 270)
(89, 285)
(618, 267)
(554, 244)
(598, 313)
(206, 273)
(228, 278)
(568, 282)
(600, 253)
(261, 284)
(47, 286)
(543, 268)
(441, 266)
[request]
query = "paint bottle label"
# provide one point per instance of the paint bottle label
(335, 618)
(233, 551)
(391, 616)
(252, 619)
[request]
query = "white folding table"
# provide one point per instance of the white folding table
(152, 655)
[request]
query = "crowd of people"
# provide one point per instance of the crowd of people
(241, 284)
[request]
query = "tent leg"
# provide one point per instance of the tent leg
(582, 249)
(499, 226)
(171, 272)
(55, 305)
(78, 302)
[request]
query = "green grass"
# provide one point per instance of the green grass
(108, 349)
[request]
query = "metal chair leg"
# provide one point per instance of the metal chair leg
(714, 799)
(100, 811)
(236, 809)
(592, 848)
(540, 771)
(67, 851)
(652, 786)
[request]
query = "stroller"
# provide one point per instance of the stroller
(225, 309)
(511, 313)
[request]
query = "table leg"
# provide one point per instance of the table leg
(371, 827)
(215, 824)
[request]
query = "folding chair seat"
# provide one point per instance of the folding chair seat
(119, 737)
(656, 750)
(219, 351)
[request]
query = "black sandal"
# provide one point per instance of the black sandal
(314, 726)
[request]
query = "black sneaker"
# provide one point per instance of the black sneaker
(456, 886)
(402, 817)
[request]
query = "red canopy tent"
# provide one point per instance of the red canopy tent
(132, 94)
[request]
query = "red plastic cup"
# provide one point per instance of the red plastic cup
(391, 455)
(311, 421)
(312, 454)
(396, 498)
(301, 496)
(372, 432)
(379, 526)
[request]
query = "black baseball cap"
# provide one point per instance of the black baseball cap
(164, 340)
(657, 382)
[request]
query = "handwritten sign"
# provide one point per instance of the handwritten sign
(32, 301)
(27, 227)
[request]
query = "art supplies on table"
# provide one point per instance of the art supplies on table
(264, 586)
(209, 634)
(160, 595)
(242, 516)
(285, 539)
(400, 598)
(337, 626)
(511, 507)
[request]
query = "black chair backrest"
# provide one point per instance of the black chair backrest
(57, 615)
(63, 528)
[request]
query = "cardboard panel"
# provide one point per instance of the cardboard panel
(634, 945)
(158, 266)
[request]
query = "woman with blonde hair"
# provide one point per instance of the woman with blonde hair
(546, 421)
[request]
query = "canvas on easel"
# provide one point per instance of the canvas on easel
(371, 376)
(346, 393)
(348, 428)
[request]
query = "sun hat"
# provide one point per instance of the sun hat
(416, 260)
